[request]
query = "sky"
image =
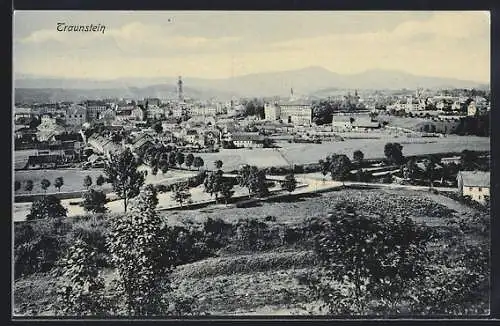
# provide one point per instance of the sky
(209, 44)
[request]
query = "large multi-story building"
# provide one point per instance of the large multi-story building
(209, 110)
(76, 115)
(155, 112)
(292, 111)
(95, 108)
(296, 112)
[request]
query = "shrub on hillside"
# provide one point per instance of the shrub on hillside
(185, 246)
(47, 207)
(255, 235)
(38, 245)
(95, 236)
(217, 233)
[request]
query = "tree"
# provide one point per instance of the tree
(181, 193)
(394, 153)
(338, 165)
(256, 182)
(17, 185)
(213, 183)
(289, 184)
(28, 186)
(410, 169)
(81, 287)
(351, 120)
(358, 156)
(158, 127)
(227, 191)
(94, 201)
(366, 257)
(469, 160)
(189, 160)
(163, 165)
(87, 182)
(136, 243)
(47, 207)
(218, 164)
(198, 162)
(373, 116)
(58, 183)
(253, 179)
(172, 158)
(122, 172)
(244, 177)
(100, 180)
(430, 167)
(180, 158)
(34, 122)
(45, 184)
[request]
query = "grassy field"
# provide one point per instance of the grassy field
(268, 281)
(73, 178)
(384, 202)
(311, 153)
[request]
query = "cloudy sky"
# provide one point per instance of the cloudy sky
(221, 44)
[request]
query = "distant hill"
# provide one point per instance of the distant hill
(308, 81)
(43, 95)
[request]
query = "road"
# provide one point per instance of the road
(307, 183)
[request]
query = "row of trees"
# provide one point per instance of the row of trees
(339, 166)
(58, 183)
(164, 157)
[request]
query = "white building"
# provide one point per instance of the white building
(472, 109)
(475, 184)
(293, 111)
(203, 111)
(246, 140)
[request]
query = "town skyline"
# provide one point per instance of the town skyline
(199, 44)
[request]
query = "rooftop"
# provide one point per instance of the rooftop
(76, 109)
(247, 136)
(475, 178)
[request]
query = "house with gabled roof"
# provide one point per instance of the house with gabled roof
(475, 184)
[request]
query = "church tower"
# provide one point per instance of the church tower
(179, 90)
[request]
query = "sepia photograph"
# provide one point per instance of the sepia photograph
(234, 164)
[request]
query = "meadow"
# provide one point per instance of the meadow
(73, 178)
(265, 276)
(295, 153)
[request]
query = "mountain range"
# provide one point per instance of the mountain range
(310, 81)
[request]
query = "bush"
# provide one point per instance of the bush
(185, 246)
(95, 236)
(197, 179)
(217, 233)
(38, 245)
(161, 188)
(270, 218)
(254, 235)
(298, 168)
(47, 207)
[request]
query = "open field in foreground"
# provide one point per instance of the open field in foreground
(268, 281)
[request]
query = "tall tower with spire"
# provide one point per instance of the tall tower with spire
(292, 98)
(179, 90)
